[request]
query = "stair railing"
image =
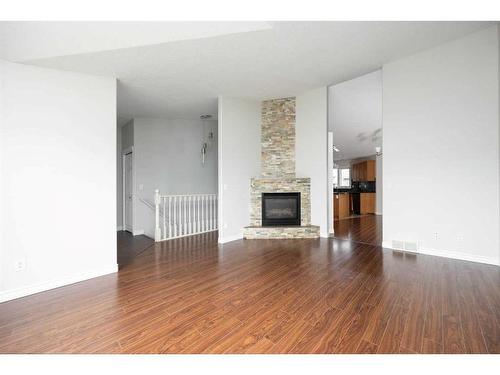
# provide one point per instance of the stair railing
(184, 215)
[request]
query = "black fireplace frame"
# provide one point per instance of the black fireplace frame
(281, 222)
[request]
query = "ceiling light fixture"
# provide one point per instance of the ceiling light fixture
(378, 150)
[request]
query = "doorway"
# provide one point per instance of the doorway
(128, 191)
(355, 159)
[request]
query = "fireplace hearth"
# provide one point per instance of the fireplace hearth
(280, 209)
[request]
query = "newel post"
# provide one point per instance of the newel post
(157, 216)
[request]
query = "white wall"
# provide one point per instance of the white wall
(58, 178)
(127, 135)
(441, 148)
(239, 160)
(311, 151)
(167, 156)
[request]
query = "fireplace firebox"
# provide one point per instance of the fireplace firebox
(280, 209)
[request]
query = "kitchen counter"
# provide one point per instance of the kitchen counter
(341, 205)
(357, 201)
(352, 191)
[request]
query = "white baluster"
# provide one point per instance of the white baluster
(169, 217)
(202, 204)
(184, 205)
(164, 234)
(185, 214)
(209, 214)
(195, 212)
(189, 213)
(198, 224)
(206, 214)
(210, 211)
(216, 212)
(179, 205)
(176, 217)
(214, 208)
(179, 218)
(157, 216)
(181, 222)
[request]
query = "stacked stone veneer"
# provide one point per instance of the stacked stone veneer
(278, 138)
(278, 173)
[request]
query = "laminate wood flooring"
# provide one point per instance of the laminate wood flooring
(192, 295)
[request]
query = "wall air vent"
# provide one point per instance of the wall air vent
(411, 246)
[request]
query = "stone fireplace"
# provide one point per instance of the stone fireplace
(278, 189)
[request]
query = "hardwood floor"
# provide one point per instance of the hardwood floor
(265, 296)
(130, 246)
(366, 229)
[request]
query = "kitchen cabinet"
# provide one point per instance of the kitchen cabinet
(355, 172)
(364, 171)
(371, 173)
(341, 203)
(367, 203)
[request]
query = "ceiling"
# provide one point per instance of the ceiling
(177, 70)
(355, 117)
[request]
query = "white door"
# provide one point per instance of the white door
(128, 192)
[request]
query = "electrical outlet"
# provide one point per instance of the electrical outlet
(436, 236)
(20, 264)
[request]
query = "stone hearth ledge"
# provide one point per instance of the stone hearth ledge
(280, 232)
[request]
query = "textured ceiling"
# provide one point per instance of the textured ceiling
(184, 76)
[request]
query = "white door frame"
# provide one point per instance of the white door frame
(129, 150)
(330, 184)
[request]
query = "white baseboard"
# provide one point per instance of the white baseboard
(459, 256)
(138, 232)
(230, 238)
(119, 228)
(324, 235)
(449, 254)
(378, 213)
(388, 245)
(57, 283)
